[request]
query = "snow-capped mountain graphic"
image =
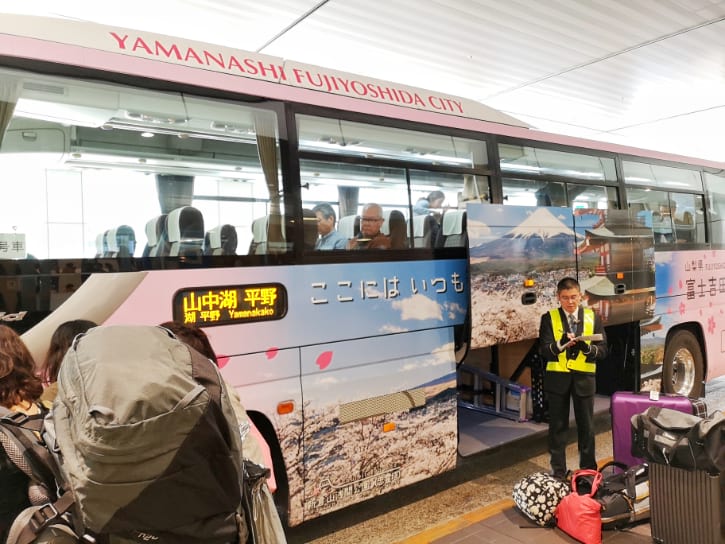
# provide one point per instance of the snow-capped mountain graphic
(540, 234)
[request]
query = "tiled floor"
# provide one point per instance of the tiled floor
(511, 527)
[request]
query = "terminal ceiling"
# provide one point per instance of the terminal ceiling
(647, 73)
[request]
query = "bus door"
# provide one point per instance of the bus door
(616, 270)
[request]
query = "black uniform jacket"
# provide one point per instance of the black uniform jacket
(584, 384)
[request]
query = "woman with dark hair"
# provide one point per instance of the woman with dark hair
(20, 387)
(434, 201)
(20, 390)
(59, 343)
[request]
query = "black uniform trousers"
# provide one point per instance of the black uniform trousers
(579, 388)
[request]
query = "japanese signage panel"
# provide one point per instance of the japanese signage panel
(223, 305)
(12, 245)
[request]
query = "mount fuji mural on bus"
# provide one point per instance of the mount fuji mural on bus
(519, 253)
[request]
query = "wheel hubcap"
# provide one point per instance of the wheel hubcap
(683, 371)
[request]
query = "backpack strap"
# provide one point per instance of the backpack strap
(20, 437)
(26, 449)
(43, 516)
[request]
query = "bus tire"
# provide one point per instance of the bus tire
(683, 368)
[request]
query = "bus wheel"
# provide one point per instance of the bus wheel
(683, 370)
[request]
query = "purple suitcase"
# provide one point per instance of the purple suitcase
(625, 404)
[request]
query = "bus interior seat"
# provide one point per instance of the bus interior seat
(258, 246)
(207, 243)
(156, 237)
(100, 245)
(221, 240)
(276, 241)
(398, 230)
(385, 227)
(186, 232)
(349, 226)
(262, 230)
(309, 227)
(453, 229)
(110, 243)
(425, 228)
(685, 227)
(125, 241)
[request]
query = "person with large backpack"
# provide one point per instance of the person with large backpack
(146, 441)
(253, 445)
(265, 525)
(20, 390)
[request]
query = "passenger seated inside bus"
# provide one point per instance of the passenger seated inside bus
(370, 236)
(329, 237)
(431, 203)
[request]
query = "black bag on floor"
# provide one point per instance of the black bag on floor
(682, 440)
(624, 495)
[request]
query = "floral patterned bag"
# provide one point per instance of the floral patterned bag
(537, 496)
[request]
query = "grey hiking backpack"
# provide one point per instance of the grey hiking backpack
(147, 441)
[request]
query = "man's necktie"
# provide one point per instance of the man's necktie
(572, 323)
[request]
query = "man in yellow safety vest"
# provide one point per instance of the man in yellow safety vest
(571, 341)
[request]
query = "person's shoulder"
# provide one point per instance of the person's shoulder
(339, 241)
(49, 393)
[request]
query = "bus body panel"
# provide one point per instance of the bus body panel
(609, 252)
(690, 289)
(388, 410)
(376, 334)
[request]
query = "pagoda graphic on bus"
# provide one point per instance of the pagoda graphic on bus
(519, 253)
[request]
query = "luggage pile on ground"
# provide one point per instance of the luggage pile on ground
(686, 453)
(669, 466)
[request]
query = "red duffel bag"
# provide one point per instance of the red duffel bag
(579, 516)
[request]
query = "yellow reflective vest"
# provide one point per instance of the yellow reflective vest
(580, 363)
